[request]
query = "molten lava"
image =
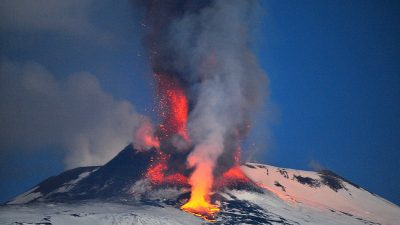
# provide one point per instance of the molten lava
(172, 107)
(156, 173)
(199, 206)
(235, 174)
(201, 181)
(199, 203)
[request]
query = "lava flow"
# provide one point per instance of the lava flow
(209, 87)
(201, 207)
(173, 108)
(199, 202)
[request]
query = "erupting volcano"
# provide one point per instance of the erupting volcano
(208, 87)
(173, 109)
(185, 163)
(175, 142)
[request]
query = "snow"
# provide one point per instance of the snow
(34, 194)
(94, 213)
(289, 197)
(69, 185)
(26, 197)
(350, 199)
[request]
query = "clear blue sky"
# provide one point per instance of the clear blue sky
(333, 66)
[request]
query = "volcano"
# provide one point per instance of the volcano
(122, 192)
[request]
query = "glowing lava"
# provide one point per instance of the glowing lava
(156, 173)
(199, 206)
(199, 203)
(173, 107)
(235, 174)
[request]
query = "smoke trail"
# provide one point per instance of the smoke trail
(205, 46)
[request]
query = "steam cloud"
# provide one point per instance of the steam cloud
(205, 45)
(78, 115)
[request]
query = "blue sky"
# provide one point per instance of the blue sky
(333, 67)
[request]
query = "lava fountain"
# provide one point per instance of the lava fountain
(173, 110)
(209, 85)
(172, 107)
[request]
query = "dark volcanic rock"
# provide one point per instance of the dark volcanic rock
(108, 181)
(307, 181)
(331, 180)
(111, 179)
(55, 182)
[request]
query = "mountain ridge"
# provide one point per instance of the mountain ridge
(284, 196)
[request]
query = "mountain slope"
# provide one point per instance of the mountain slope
(101, 182)
(117, 193)
(324, 191)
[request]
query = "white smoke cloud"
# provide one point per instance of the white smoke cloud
(233, 84)
(37, 111)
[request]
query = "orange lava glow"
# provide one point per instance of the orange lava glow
(145, 136)
(235, 173)
(199, 206)
(199, 203)
(150, 141)
(173, 107)
(156, 172)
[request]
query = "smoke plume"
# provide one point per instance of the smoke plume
(77, 115)
(204, 45)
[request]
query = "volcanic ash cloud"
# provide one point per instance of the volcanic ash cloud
(204, 45)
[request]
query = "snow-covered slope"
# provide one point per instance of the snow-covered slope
(323, 191)
(111, 180)
(117, 193)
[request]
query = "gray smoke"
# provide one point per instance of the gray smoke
(76, 115)
(205, 45)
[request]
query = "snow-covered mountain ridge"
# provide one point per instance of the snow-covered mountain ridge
(117, 193)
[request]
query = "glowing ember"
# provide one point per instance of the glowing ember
(156, 173)
(173, 107)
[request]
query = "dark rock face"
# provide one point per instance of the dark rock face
(307, 181)
(280, 185)
(111, 179)
(55, 182)
(332, 174)
(108, 181)
(250, 166)
(284, 173)
(331, 180)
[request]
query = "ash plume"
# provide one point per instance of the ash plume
(205, 46)
(75, 115)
